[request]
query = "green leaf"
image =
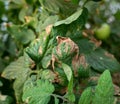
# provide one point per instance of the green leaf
(5, 99)
(85, 46)
(68, 71)
(56, 100)
(22, 14)
(104, 92)
(39, 94)
(70, 25)
(46, 61)
(63, 81)
(70, 19)
(86, 96)
(83, 72)
(19, 2)
(50, 20)
(59, 7)
(70, 95)
(75, 1)
(101, 60)
(1, 84)
(21, 34)
(18, 71)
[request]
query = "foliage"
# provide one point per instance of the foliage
(102, 94)
(50, 54)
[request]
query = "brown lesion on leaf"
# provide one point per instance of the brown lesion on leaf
(68, 42)
(40, 50)
(48, 28)
(96, 42)
(27, 19)
(109, 55)
(90, 35)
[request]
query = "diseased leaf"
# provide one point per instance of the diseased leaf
(39, 93)
(65, 49)
(104, 91)
(86, 96)
(37, 48)
(48, 75)
(101, 60)
(80, 66)
(62, 78)
(18, 70)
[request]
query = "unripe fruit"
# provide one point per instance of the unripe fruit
(103, 32)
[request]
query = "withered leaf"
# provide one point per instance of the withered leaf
(77, 62)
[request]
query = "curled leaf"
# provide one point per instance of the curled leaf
(65, 47)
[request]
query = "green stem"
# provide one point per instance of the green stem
(61, 97)
(85, 3)
(37, 66)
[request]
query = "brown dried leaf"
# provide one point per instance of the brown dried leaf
(116, 78)
(77, 61)
(117, 90)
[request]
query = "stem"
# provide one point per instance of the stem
(58, 96)
(37, 66)
(84, 3)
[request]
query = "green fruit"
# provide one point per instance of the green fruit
(103, 32)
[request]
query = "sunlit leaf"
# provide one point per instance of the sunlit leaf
(67, 70)
(86, 96)
(104, 92)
